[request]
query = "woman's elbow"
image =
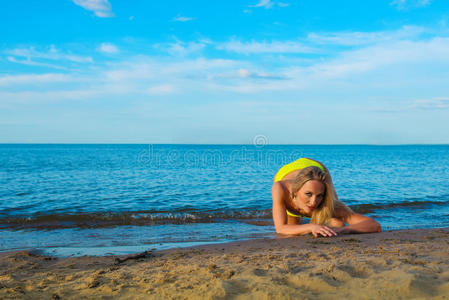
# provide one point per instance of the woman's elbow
(279, 229)
(372, 225)
(282, 229)
(377, 227)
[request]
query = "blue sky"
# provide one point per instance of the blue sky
(295, 72)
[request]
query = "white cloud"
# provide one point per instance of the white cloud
(263, 3)
(31, 79)
(243, 73)
(409, 4)
(148, 68)
(137, 77)
(180, 18)
(267, 4)
(54, 95)
(52, 54)
(366, 38)
(264, 47)
(101, 8)
(29, 62)
(386, 65)
(398, 3)
(430, 104)
(385, 58)
(108, 48)
(188, 70)
(161, 89)
(433, 103)
(182, 49)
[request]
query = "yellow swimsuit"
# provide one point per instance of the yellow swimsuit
(293, 166)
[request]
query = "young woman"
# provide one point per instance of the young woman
(304, 188)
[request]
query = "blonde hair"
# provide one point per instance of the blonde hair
(326, 209)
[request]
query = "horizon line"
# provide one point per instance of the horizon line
(235, 144)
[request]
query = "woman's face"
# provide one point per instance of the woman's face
(310, 195)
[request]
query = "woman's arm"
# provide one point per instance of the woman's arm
(358, 223)
(280, 218)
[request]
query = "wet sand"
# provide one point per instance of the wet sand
(407, 264)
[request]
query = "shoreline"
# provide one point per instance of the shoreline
(410, 263)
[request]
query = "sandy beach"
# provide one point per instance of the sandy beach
(390, 265)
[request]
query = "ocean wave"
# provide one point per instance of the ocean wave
(180, 216)
(141, 218)
(371, 207)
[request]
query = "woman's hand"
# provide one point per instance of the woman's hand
(321, 230)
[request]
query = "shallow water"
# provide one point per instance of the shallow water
(100, 199)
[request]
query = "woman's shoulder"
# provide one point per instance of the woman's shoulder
(277, 186)
(280, 187)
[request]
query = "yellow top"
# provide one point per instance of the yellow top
(293, 166)
(296, 165)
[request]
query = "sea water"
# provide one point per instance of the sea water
(74, 199)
